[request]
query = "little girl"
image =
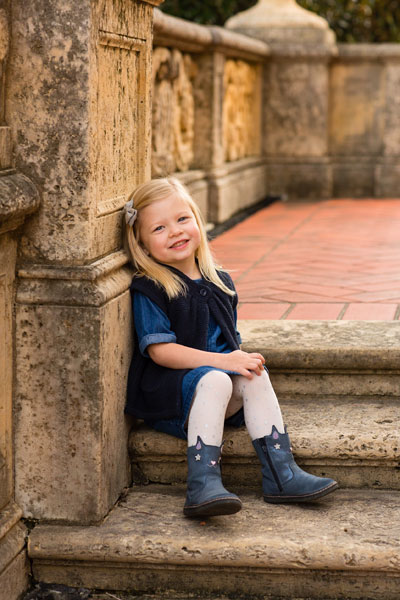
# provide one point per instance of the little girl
(188, 375)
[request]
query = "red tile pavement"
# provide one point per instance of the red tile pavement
(335, 259)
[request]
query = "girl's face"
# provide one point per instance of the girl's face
(169, 232)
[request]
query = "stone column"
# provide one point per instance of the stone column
(79, 97)
(296, 93)
(18, 198)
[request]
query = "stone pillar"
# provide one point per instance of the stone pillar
(296, 94)
(79, 97)
(18, 198)
(387, 172)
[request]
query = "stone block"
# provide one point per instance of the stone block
(235, 186)
(351, 439)
(345, 546)
(391, 141)
(295, 108)
(73, 352)
(14, 568)
(5, 148)
(8, 249)
(354, 358)
(357, 108)
(353, 178)
(197, 184)
(300, 179)
(387, 178)
(18, 198)
(14, 580)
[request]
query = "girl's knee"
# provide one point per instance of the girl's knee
(220, 382)
(257, 382)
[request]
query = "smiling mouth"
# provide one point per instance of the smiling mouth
(179, 244)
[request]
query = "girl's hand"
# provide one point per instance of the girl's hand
(245, 363)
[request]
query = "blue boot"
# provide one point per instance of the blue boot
(206, 496)
(283, 480)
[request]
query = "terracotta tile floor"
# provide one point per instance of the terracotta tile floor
(336, 259)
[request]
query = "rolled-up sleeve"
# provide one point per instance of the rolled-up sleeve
(151, 323)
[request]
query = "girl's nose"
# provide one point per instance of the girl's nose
(175, 230)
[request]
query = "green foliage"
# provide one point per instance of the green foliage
(352, 20)
(208, 12)
(360, 20)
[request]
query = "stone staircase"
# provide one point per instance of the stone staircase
(339, 386)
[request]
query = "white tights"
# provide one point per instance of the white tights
(219, 395)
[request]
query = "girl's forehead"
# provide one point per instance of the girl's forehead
(165, 206)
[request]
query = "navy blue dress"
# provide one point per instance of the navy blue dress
(153, 327)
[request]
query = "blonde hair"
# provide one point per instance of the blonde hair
(144, 195)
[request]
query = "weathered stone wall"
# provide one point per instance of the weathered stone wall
(207, 99)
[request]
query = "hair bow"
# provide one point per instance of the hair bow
(130, 213)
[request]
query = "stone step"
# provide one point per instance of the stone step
(344, 546)
(342, 358)
(355, 441)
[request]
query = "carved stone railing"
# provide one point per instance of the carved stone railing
(207, 101)
(271, 105)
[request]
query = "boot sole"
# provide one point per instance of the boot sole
(303, 497)
(213, 508)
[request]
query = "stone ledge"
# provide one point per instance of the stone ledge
(368, 51)
(351, 346)
(9, 516)
(191, 37)
(236, 166)
(356, 442)
(236, 185)
(87, 285)
(146, 544)
(19, 197)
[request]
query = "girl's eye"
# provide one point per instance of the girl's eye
(158, 228)
(183, 218)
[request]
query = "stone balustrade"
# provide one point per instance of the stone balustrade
(270, 105)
